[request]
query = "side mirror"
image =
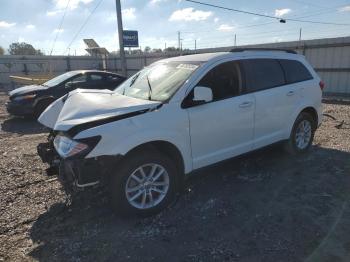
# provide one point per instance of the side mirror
(202, 94)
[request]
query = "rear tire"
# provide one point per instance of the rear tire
(145, 183)
(302, 134)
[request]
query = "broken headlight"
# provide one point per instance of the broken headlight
(67, 147)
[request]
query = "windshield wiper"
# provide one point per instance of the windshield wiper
(150, 89)
(132, 82)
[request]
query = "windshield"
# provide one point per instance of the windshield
(157, 82)
(59, 79)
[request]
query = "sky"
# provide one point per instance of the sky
(159, 21)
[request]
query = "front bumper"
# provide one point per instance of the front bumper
(19, 109)
(76, 173)
(80, 173)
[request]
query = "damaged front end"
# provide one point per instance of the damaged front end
(78, 111)
(48, 155)
(66, 158)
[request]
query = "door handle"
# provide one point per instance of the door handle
(246, 104)
(290, 93)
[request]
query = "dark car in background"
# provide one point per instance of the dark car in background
(32, 100)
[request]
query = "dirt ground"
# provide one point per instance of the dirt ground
(264, 206)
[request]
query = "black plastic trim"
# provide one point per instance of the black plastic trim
(290, 51)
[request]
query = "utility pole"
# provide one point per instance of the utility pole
(178, 39)
(235, 40)
(195, 44)
(120, 34)
(164, 45)
(300, 34)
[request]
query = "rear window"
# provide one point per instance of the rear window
(263, 74)
(295, 71)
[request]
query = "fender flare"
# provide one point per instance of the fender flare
(294, 116)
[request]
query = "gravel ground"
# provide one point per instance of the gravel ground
(264, 206)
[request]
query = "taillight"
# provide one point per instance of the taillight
(322, 85)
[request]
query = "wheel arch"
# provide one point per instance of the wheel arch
(165, 147)
(311, 111)
(302, 109)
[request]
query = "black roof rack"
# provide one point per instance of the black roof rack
(262, 49)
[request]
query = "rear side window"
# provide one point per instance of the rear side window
(263, 74)
(95, 77)
(112, 78)
(295, 71)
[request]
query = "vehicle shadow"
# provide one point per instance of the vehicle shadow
(22, 126)
(263, 206)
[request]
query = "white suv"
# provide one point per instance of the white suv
(178, 115)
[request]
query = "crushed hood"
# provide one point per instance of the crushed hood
(83, 106)
(26, 90)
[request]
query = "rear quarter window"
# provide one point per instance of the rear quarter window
(263, 74)
(295, 71)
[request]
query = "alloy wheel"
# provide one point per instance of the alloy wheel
(147, 186)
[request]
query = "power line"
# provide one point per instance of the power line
(329, 10)
(83, 25)
(307, 3)
(282, 20)
(234, 10)
(60, 26)
(324, 11)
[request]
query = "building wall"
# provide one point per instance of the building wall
(330, 57)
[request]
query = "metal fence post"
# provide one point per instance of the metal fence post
(25, 68)
(68, 63)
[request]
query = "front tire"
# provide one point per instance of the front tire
(145, 184)
(302, 134)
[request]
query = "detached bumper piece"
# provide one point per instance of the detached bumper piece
(76, 173)
(48, 155)
(80, 173)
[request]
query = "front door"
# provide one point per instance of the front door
(222, 128)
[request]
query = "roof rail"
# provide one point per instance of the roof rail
(263, 49)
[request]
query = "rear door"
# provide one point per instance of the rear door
(297, 76)
(222, 128)
(274, 99)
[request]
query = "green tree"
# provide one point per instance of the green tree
(171, 49)
(156, 50)
(23, 49)
(2, 51)
(147, 49)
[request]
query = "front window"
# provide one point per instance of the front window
(59, 79)
(159, 81)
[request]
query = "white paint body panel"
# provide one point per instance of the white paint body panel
(203, 134)
(221, 129)
(166, 124)
(84, 106)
